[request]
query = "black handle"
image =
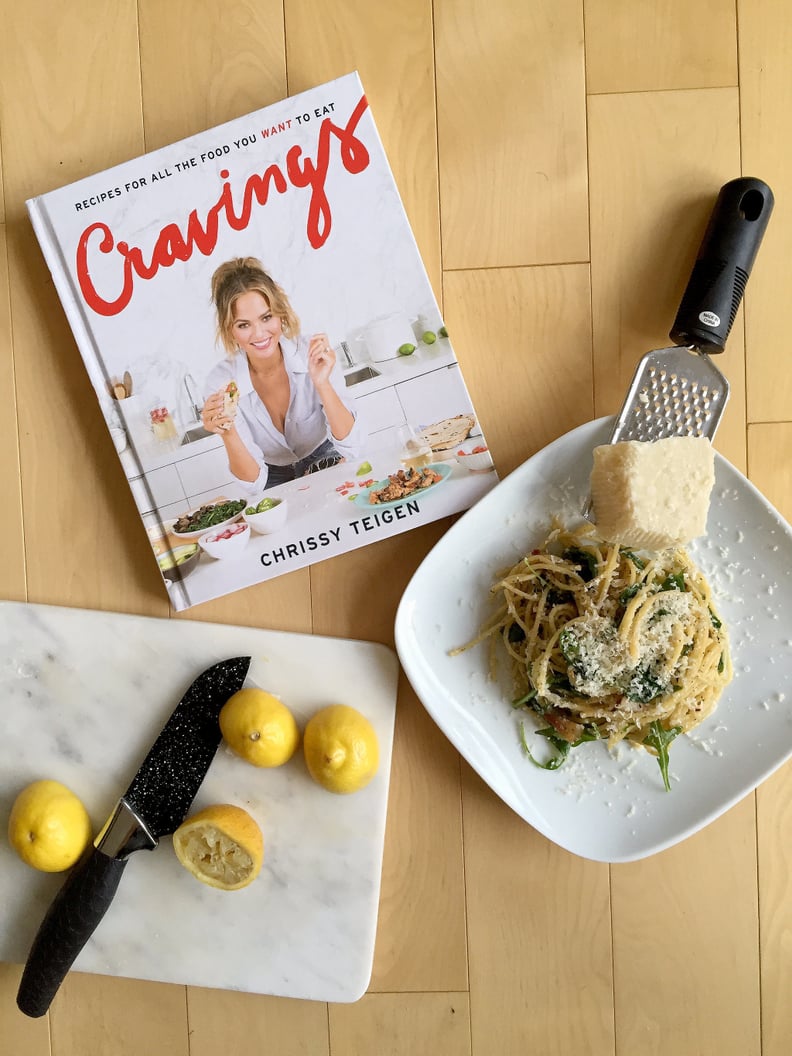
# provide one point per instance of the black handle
(725, 258)
(70, 921)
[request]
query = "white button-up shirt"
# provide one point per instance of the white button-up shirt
(306, 425)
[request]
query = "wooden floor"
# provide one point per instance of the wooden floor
(558, 160)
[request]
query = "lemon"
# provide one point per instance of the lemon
(259, 728)
(221, 846)
(429, 337)
(406, 350)
(341, 749)
(49, 827)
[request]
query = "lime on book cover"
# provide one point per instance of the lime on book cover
(264, 343)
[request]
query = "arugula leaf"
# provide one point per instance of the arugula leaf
(716, 623)
(562, 747)
(562, 751)
(526, 698)
(659, 738)
(559, 597)
(636, 560)
(586, 561)
(515, 633)
(674, 581)
(629, 592)
(644, 686)
(721, 665)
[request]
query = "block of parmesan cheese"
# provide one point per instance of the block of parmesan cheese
(651, 495)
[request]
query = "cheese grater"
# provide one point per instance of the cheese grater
(678, 391)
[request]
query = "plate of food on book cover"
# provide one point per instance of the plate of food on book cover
(403, 485)
(195, 523)
(606, 799)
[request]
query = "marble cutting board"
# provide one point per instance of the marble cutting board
(85, 693)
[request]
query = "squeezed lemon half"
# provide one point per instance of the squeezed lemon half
(222, 846)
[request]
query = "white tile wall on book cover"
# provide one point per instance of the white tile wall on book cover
(264, 343)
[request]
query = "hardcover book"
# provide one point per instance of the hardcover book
(259, 328)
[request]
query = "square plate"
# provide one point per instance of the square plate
(606, 806)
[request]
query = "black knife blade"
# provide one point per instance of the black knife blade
(154, 805)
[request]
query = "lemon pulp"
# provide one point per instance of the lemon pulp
(222, 846)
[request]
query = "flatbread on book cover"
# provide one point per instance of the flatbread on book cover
(230, 401)
(445, 436)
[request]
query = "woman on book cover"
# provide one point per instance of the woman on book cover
(275, 398)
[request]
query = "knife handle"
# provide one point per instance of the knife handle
(70, 921)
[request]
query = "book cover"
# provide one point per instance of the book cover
(254, 316)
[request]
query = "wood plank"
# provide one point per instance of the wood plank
(94, 1015)
(12, 542)
(226, 1022)
(765, 105)
(397, 1024)
(647, 47)
(653, 197)
(539, 934)
(512, 132)
(391, 48)
(21, 1036)
(235, 62)
(774, 824)
(531, 326)
(421, 930)
(770, 469)
(80, 113)
(420, 941)
(685, 944)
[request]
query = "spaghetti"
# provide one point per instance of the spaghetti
(607, 643)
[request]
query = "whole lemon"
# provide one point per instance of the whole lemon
(429, 337)
(221, 846)
(341, 749)
(49, 827)
(259, 727)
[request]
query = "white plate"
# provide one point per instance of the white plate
(605, 806)
(204, 531)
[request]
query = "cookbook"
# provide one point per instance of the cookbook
(268, 354)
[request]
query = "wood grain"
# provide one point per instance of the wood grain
(539, 933)
(635, 47)
(21, 1036)
(685, 937)
(653, 196)
(391, 1024)
(523, 324)
(771, 472)
(12, 542)
(765, 108)
(511, 132)
(558, 161)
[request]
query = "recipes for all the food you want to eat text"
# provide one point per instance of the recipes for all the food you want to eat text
(255, 318)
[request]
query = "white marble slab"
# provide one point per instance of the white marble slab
(84, 695)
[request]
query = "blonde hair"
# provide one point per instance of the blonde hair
(243, 275)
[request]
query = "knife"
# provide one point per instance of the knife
(154, 805)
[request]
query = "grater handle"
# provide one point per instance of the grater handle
(725, 258)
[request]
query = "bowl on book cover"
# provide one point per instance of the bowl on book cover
(267, 515)
(179, 561)
(475, 458)
(226, 542)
